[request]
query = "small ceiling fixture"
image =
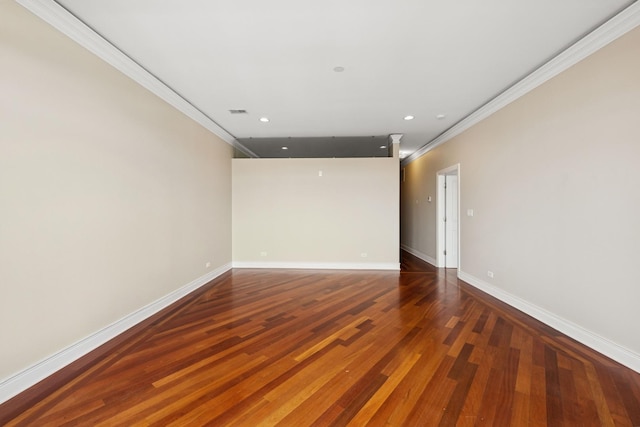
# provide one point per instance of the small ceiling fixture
(338, 69)
(409, 117)
(285, 148)
(440, 116)
(264, 119)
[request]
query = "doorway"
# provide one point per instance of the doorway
(448, 216)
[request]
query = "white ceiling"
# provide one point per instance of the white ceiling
(276, 58)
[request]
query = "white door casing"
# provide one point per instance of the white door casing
(448, 216)
(451, 221)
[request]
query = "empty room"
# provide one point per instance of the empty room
(363, 213)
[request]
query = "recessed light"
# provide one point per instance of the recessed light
(338, 69)
(409, 117)
(285, 148)
(383, 146)
(264, 119)
(440, 116)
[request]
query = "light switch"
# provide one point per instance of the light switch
(469, 212)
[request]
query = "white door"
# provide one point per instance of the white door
(451, 221)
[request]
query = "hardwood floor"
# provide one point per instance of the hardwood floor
(302, 348)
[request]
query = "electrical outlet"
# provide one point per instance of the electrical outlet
(263, 253)
(490, 273)
(363, 255)
(207, 265)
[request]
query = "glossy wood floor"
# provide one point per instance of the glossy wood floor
(301, 348)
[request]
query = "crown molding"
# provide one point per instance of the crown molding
(65, 22)
(615, 27)
(61, 19)
(395, 138)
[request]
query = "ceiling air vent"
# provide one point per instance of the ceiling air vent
(238, 111)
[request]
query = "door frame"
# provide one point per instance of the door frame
(440, 213)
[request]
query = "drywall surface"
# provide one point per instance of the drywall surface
(109, 197)
(295, 212)
(553, 182)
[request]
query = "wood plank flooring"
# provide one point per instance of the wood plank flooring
(337, 348)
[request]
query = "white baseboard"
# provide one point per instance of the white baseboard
(26, 378)
(426, 258)
(616, 352)
(319, 265)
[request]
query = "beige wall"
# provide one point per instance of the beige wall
(109, 198)
(553, 179)
(284, 208)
